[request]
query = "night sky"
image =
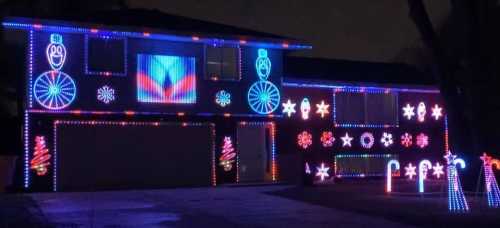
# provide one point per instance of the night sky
(379, 31)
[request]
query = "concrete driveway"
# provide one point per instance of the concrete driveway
(194, 207)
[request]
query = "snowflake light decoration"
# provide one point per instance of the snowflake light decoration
(422, 140)
(106, 94)
(289, 108)
(322, 109)
(386, 139)
(366, 139)
(327, 139)
(421, 111)
(437, 112)
(346, 140)
(304, 139)
(410, 171)
(408, 111)
(438, 170)
(406, 140)
(322, 171)
(223, 98)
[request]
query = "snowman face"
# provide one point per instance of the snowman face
(305, 108)
(56, 55)
(421, 111)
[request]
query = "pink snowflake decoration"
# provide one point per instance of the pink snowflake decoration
(406, 140)
(422, 140)
(327, 138)
(304, 139)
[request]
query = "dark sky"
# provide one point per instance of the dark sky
(369, 30)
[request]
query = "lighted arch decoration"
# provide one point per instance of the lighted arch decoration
(55, 89)
(263, 64)
(263, 97)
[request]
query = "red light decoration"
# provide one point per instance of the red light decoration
(304, 139)
(226, 159)
(41, 156)
(406, 140)
(327, 138)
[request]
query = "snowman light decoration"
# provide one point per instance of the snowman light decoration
(263, 96)
(55, 89)
(305, 108)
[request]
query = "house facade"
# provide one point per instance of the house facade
(108, 107)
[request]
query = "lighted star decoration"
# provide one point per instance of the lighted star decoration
(422, 140)
(410, 171)
(304, 139)
(450, 158)
(386, 139)
(322, 171)
(437, 112)
(486, 159)
(322, 109)
(346, 140)
(437, 170)
(289, 108)
(406, 140)
(408, 111)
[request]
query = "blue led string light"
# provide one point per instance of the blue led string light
(456, 198)
(490, 181)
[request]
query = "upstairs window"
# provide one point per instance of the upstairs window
(354, 108)
(222, 63)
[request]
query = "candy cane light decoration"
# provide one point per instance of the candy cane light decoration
(423, 167)
(456, 198)
(390, 164)
(492, 190)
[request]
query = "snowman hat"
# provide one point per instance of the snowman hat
(56, 38)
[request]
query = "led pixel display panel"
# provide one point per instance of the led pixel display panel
(166, 79)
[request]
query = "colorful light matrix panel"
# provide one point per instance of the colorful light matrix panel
(166, 79)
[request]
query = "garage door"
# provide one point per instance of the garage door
(117, 155)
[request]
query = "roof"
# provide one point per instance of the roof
(153, 20)
(355, 71)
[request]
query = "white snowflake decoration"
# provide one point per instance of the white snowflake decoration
(437, 112)
(289, 108)
(322, 109)
(438, 170)
(386, 139)
(410, 171)
(408, 111)
(322, 172)
(106, 94)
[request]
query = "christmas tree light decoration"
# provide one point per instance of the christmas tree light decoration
(406, 140)
(289, 108)
(423, 167)
(410, 171)
(41, 156)
(327, 138)
(226, 159)
(438, 170)
(492, 190)
(422, 140)
(308, 169)
(105, 94)
(322, 109)
(346, 140)
(322, 172)
(421, 111)
(305, 108)
(456, 198)
(390, 164)
(367, 140)
(437, 112)
(223, 98)
(386, 139)
(408, 111)
(304, 139)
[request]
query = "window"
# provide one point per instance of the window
(222, 63)
(105, 56)
(356, 108)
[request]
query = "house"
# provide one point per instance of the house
(122, 101)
